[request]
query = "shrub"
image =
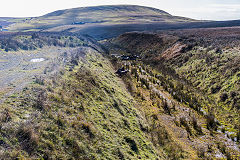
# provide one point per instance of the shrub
(166, 107)
(223, 97)
(132, 144)
(28, 138)
(88, 129)
(5, 116)
(201, 152)
(215, 89)
(211, 123)
(197, 127)
(184, 122)
(222, 147)
(219, 51)
(238, 133)
(40, 101)
(39, 80)
(60, 122)
(233, 94)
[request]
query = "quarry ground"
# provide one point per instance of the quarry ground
(17, 69)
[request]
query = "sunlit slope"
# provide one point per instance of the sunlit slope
(104, 15)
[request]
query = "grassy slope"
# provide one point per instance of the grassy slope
(213, 67)
(119, 14)
(6, 21)
(86, 113)
(181, 139)
(207, 61)
(219, 76)
(204, 65)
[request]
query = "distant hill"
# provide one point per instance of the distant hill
(98, 15)
(103, 22)
(6, 21)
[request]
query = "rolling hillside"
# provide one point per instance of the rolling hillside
(102, 22)
(99, 15)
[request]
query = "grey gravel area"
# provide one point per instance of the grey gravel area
(18, 69)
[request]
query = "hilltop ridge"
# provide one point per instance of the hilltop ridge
(97, 15)
(131, 9)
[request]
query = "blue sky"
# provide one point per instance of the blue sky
(197, 9)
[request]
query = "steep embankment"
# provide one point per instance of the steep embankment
(177, 126)
(207, 59)
(200, 69)
(80, 110)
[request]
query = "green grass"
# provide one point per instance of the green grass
(190, 78)
(119, 14)
(206, 77)
(86, 113)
